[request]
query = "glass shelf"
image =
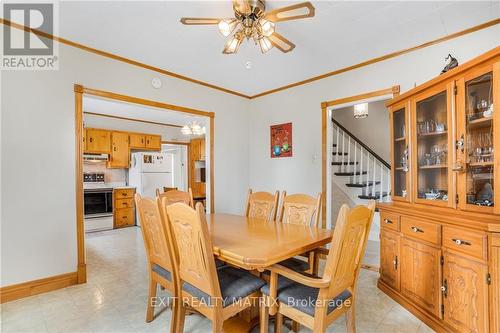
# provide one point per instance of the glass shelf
(432, 148)
(479, 141)
(400, 152)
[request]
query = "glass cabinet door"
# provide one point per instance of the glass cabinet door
(431, 155)
(479, 141)
(400, 157)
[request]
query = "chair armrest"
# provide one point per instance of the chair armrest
(297, 277)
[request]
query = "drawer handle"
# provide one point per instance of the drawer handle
(461, 242)
(387, 221)
(416, 230)
(395, 263)
(124, 217)
(124, 194)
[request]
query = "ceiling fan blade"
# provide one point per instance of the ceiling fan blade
(293, 12)
(281, 43)
(200, 21)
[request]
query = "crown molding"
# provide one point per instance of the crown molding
(268, 92)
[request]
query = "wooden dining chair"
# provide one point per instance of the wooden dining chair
(175, 195)
(157, 250)
(218, 294)
(316, 302)
(300, 209)
(262, 205)
(305, 210)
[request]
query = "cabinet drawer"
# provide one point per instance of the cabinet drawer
(469, 242)
(124, 217)
(124, 193)
(418, 229)
(124, 203)
(389, 220)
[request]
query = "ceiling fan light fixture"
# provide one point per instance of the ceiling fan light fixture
(226, 26)
(233, 44)
(265, 44)
(267, 27)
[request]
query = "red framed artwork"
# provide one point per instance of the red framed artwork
(281, 140)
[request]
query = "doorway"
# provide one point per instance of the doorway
(136, 120)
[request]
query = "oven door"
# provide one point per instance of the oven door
(98, 202)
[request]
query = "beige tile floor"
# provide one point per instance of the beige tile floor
(114, 298)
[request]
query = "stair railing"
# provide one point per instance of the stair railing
(363, 159)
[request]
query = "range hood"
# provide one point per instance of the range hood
(95, 157)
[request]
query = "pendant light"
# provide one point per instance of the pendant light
(361, 110)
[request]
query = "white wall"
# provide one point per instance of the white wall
(372, 131)
(38, 228)
(302, 106)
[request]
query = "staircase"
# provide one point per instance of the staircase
(359, 172)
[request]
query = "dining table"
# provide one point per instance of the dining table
(256, 244)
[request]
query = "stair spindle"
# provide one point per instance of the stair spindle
(343, 147)
(338, 144)
(373, 177)
(381, 181)
(361, 164)
(349, 154)
(355, 168)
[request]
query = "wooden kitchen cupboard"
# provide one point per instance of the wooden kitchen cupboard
(440, 236)
(123, 207)
(97, 141)
(120, 150)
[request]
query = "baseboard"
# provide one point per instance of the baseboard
(35, 287)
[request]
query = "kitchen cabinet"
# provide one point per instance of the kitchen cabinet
(445, 181)
(120, 150)
(153, 142)
(198, 149)
(137, 141)
(197, 154)
(124, 207)
(98, 141)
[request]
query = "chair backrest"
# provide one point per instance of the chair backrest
(348, 246)
(262, 205)
(154, 232)
(193, 257)
(174, 196)
(300, 209)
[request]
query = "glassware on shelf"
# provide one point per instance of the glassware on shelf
(480, 145)
(432, 148)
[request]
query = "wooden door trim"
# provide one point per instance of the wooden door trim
(394, 90)
(80, 90)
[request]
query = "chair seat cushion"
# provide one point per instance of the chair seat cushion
(303, 298)
(162, 272)
(295, 264)
(235, 284)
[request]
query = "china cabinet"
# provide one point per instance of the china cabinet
(440, 235)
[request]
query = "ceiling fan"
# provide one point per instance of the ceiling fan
(251, 21)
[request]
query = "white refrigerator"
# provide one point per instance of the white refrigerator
(151, 171)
